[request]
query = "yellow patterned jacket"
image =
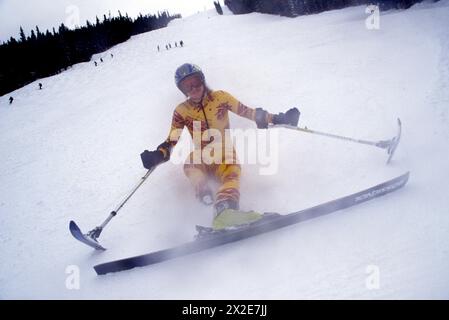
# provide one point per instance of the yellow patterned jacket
(211, 113)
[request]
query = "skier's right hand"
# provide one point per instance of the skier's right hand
(151, 159)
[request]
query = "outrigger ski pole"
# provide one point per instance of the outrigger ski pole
(389, 145)
(90, 238)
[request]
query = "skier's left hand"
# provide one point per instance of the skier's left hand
(291, 117)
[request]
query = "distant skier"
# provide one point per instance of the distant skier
(181, 43)
(11, 99)
(95, 62)
(112, 56)
(176, 44)
(206, 109)
(158, 49)
(166, 47)
(169, 45)
(101, 59)
(40, 86)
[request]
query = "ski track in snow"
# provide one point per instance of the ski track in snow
(71, 151)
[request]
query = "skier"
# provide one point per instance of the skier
(11, 99)
(202, 110)
(40, 86)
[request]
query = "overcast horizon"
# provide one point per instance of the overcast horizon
(47, 14)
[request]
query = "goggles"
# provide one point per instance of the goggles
(188, 84)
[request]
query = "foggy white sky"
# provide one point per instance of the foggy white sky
(51, 13)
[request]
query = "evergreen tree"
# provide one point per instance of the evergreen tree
(218, 7)
(23, 38)
(38, 32)
(33, 36)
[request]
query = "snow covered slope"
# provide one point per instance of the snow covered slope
(71, 151)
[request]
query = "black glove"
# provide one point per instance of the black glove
(151, 159)
(291, 117)
(261, 118)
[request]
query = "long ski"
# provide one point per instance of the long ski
(273, 222)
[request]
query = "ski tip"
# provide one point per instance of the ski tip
(404, 177)
(394, 142)
(73, 226)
